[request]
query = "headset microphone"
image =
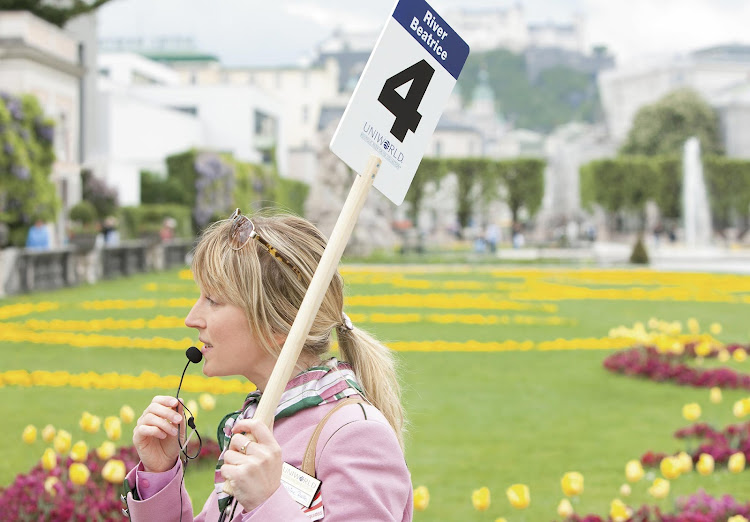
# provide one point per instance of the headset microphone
(194, 355)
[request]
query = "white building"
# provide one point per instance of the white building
(146, 114)
(733, 106)
(41, 59)
(711, 72)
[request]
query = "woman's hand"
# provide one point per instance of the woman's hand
(252, 463)
(155, 434)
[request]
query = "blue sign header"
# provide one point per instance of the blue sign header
(436, 36)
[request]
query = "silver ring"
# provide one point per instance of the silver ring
(243, 448)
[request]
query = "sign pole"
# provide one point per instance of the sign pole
(282, 371)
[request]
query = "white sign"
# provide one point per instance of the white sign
(400, 96)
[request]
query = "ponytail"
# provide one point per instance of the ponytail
(375, 366)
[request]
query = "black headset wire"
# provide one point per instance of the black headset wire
(192, 357)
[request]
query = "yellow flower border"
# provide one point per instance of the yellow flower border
(116, 381)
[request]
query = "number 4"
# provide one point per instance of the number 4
(405, 109)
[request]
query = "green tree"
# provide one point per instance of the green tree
(26, 156)
(664, 126)
(430, 170)
(557, 95)
(52, 12)
(523, 179)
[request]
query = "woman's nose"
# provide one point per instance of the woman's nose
(193, 319)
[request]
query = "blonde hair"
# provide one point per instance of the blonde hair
(270, 293)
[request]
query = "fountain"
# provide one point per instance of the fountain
(696, 214)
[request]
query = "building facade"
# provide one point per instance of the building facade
(41, 59)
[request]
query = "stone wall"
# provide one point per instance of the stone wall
(24, 271)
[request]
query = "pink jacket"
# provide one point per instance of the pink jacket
(358, 459)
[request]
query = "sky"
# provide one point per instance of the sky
(282, 32)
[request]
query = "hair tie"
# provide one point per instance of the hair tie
(347, 322)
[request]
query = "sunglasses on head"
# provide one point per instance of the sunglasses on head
(243, 230)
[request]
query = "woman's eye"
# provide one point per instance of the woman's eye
(210, 301)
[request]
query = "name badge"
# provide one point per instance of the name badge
(302, 487)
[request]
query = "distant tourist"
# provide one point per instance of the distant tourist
(492, 237)
(110, 232)
(518, 240)
(168, 228)
(38, 236)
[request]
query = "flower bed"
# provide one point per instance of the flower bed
(699, 507)
(55, 495)
(651, 363)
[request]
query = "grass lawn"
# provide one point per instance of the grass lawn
(481, 414)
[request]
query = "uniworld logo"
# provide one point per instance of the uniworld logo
(378, 138)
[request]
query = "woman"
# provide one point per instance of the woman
(252, 276)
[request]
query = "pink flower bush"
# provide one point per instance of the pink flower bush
(648, 362)
(719, 444)
(27, 499)
(699, 507)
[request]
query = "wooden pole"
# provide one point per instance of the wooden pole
(282, 371)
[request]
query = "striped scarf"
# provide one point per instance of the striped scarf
(331, 381)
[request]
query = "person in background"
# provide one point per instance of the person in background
(167, 229)
(110, 232)
(38, 236)
(492, 236)
(341, 422)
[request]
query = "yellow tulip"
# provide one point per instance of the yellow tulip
(79, 473)
(715, 395)
(737, 518)
(501, 519)
(79, 451)
(634, 471)
(519, 496)
(702, 349)
(736, 463)
(49, 485)
(113, 427)
(62, 442)
(89, 423)
(106, 450)
(481, 498)
(192, 407)
(421, 498)
(686, 462)
(691, 411)
(715, 328)
(618, 511)
(565, 508)
(29, 434)
(723, 355)
(207, 401)
(572, 484)
(127, 414)
(739, 355)
(705, 464)
(114, 471)
(693, 326)
(670, 467)
(659, 489)
(741, 407)
(49, 459)
(48, 433)
(625, 490)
